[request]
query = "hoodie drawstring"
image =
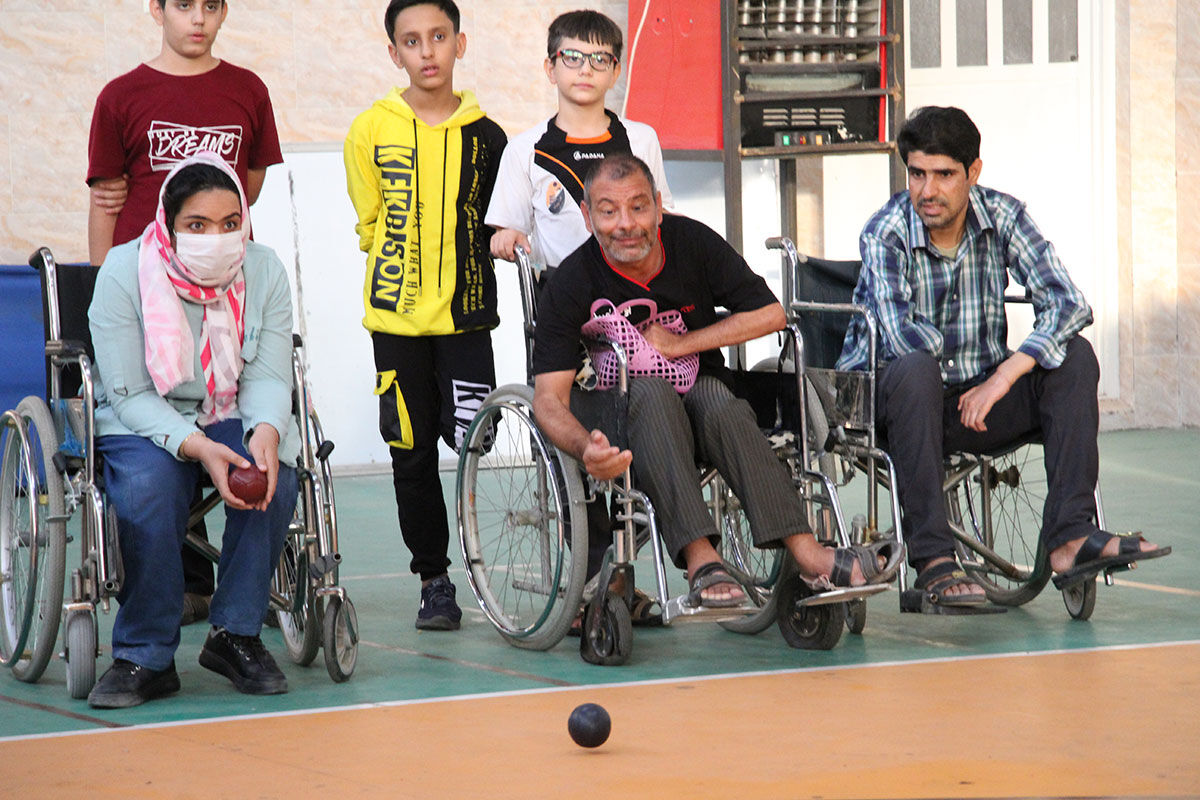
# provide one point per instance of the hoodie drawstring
(442, 216)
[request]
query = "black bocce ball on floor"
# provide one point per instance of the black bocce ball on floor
(589, 725)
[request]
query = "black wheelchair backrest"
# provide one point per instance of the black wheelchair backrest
(822, 281)
(72, 286)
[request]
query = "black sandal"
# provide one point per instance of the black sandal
(712, 574)
(641, 611)
(936, 579)
(1089, 563)
(867, 557)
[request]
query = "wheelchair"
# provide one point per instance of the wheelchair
(49, 471)
(994, 500)
(522, 523)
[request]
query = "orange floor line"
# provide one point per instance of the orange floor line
(1112, 723)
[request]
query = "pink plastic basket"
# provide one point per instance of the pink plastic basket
(611, 323)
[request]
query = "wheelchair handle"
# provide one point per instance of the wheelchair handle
(528, 285)
(791, 262)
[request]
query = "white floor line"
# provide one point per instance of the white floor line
(1152, 587)
(615, 685)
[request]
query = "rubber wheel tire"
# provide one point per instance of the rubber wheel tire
(856, 616)
(807, 627)
(611, 645)
(301, 629)
(522, 522)
(341, 638)
(81, 653)
(38, 612)
(1080, 599)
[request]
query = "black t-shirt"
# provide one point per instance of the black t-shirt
(700, 274)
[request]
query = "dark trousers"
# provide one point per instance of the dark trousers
(921, 423)
(151, 491)
(428, 386)
(669, 432)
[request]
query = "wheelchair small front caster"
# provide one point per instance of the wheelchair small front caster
(807, 627)
(856, 616)
(341, 637)
(1080, 599)
(607, 636)
(80, 653)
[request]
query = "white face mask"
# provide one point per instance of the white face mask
(210, 259)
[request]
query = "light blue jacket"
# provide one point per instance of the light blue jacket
(126, 400)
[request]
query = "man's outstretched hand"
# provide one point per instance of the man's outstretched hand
(603, 461)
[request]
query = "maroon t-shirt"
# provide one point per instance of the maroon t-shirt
(147, 121)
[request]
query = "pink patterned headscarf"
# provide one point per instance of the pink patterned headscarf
(165, 284)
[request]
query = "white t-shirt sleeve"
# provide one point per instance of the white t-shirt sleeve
(510, 205)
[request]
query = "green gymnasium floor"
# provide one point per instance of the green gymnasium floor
(1151, 481)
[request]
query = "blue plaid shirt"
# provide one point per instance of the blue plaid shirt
(954, 309)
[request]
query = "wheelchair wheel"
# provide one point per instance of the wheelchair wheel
(610, 643)
(1080, 599)
(763, 566)
(33, 542)
(341, 638)
(81, 653)
(1007, 520)
(807, 627)
(299, 617)
(522, 522)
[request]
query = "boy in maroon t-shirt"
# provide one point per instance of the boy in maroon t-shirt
(182, 101)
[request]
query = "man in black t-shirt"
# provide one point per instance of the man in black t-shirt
(680, 264)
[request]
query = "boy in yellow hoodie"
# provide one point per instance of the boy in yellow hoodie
(420, 167)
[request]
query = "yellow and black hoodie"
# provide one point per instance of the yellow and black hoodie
(421, 194)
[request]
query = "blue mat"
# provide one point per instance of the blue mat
(21, 338)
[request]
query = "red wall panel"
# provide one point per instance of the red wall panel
(674, 83)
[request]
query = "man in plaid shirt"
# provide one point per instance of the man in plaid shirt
(936, 261)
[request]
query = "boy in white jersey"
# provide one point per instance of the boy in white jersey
(542, 170)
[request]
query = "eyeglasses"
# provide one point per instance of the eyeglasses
(573, 59)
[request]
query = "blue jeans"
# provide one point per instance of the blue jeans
(151, 491)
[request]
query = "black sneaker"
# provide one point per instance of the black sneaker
(243, 660)
(438, 611)
(128, 684)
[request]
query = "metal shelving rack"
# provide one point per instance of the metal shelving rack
(804, 78)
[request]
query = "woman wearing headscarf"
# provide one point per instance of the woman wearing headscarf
(192, 327)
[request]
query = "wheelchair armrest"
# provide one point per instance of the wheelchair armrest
(65, 348)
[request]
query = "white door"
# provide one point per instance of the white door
(1036, 76)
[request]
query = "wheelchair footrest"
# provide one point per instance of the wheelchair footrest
(843, 595)
(916, 601)
(678, 609)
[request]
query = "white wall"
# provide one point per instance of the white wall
(305, 214)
